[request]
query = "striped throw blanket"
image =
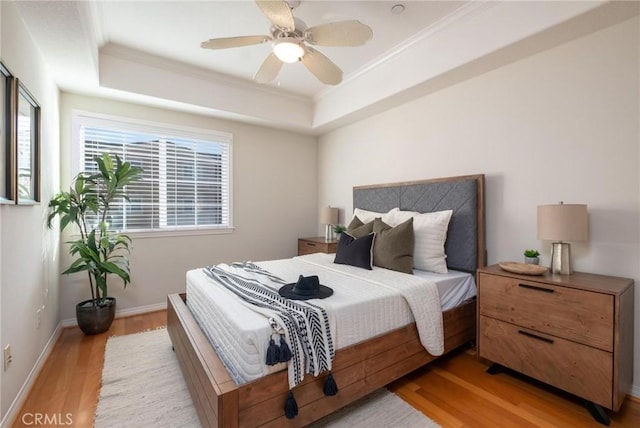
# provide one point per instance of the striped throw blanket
(305, 325)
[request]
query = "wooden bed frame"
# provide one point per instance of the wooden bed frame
(358, 370)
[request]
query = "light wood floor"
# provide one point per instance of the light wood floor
(454, 391)
(69, 382)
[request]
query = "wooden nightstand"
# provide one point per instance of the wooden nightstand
(316, 245)
(574, 332)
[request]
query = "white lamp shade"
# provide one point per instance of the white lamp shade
(329, 215)
(563, 222)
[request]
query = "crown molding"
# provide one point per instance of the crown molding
(429, 61)
(127, 70)
(440, 50)
(145, 58)
(457, 17)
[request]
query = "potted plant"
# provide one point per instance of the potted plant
(98, 251)
(531, 257)
(338, 229)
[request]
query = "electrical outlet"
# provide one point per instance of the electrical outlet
(8, 358)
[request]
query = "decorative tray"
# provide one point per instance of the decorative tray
(523, 268)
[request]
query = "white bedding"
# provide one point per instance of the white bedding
(454, 287)
(365, 304)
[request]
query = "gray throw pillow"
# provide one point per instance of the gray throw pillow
(393, 248)
(358, 229)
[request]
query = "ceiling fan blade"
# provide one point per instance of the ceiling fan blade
(278, 12)
(342, 33)
(268, 70)
(321, 67)
(234, 42)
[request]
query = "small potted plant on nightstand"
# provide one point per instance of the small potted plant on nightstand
(531, 257)
(338, 229)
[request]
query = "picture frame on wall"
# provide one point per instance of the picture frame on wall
(7, 152)
(26, 118)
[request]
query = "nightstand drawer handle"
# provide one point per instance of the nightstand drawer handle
(533, 287)
(311, 244)
(526, 333)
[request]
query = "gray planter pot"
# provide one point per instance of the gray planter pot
(95, 319)
(532, 260)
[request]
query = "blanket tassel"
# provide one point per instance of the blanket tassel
(290, 407)
(285, 352)
(330, 386)
(273, 353)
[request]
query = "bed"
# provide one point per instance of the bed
(359, 368)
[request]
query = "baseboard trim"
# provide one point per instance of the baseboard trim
(635, 392)
(129, 312)
(17, 403)
(12, 412)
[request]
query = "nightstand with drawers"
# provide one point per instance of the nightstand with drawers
(316, 245)
(574, 332)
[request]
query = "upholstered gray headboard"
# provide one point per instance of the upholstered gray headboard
(465, 245)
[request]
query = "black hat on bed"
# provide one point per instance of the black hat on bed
(307, 287)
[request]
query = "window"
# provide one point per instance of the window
(186, 173)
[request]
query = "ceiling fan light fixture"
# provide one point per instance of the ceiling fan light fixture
(288, 50)
(292, 41)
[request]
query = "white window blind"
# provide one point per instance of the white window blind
(185, 181)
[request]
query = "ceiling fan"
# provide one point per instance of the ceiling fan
(292, 42)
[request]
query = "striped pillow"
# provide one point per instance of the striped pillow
(430, 231)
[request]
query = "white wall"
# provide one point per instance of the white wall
(559, 125)
(274, 203)
(28, 267)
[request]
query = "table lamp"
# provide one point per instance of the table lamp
(559, 223)
(328, 217)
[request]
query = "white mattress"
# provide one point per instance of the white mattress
(359, 308)
(454, 288)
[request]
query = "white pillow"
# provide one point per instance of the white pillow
(367, 216)
(430, 231)
(395, 217)
(430, 235)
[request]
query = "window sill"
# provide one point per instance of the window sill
(172, 233)
(168, 233)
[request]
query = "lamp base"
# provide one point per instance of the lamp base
(561, 258)
(328, 233)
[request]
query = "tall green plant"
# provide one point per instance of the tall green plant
(99, 251)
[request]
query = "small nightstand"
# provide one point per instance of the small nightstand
(574, 332)
(316, 245)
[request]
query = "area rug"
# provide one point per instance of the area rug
(142, 386)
